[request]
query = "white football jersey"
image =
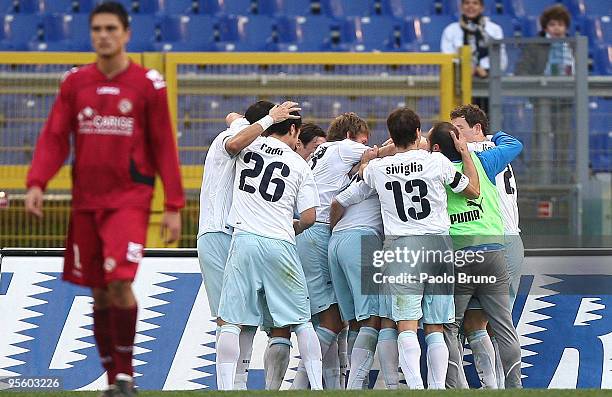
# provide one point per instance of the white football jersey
(362, 208)
(412, 193)
(330, 164)
(218, 183)
(271, 183)
(506, 186)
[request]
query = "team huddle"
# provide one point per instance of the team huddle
(291, 220)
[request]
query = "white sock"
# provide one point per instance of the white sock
(484, 357)
(310, 350)
(343, 356)
(300, 382)
(437, 361)
(350, 342)
(331, 367)
(276, 361)
(388, 357)
(409, 358)
(228, 351)
(362, 357)
(499, 367)
(246, 349)
(217, 332)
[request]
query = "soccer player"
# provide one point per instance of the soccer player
(477, 228)
(331, 164)
(411, 187)
(214, 234)
(272, 181)
(116, 112)
(311, 136)
(472, 122)
(357, 232)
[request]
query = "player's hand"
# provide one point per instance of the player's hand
(283, 111)
(171, 226)
(231, 117)
(460, 143)
(369, 155)
(34, 201)
(481, 72)
(387, 142)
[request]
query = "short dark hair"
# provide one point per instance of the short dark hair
(480, 1)
(283, 127)
(440, 134)
(347, 122)
(114, 8)
(258, 111)
(555, 13)
(310, 131)
(403, 124)
(473, 115)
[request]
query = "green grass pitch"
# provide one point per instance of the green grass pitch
(368, 393)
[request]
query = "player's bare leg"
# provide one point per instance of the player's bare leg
(409, 353)
(362, 355)
(103, 335)
(388, 354)
(276, 357)
(475, 325)
(123, 315)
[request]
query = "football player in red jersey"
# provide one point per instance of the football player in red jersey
(116, 113)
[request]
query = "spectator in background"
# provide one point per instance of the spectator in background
(475, 30)
(549, 59)
(311, 136)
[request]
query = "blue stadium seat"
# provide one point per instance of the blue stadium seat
(148, 6)
(19, 30)
(85, 6)
(6, 6)
(376, 32)
(353, 8)
(144, 32)
(180, 7)
(294, 8)
(63, 32)
(80, 35)
(602, 60)
(426, 32)
(271, 7)
(258, 32)
(58, 6)
(237, 7)
(511, 26)
(601, 30)
(28, 6)
(401, 8)
(56, 27)
(532, 8)
(304, 33)
(128, 4)
(594, 8)
(492, 7)
(186, 33)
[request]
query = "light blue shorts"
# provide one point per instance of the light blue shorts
(514, 256)
(347, 260)
(259, 266)
(213, 249)
(430, 302)
(312, 245)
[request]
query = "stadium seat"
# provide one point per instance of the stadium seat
(237, 7)
(186, 33)
(349, 8)
(258, 32)
(376, 32)
(28, 6)
(148, 6)
(58, 6)
(532, 8)
(56, 27)
(304, 33)
(602, 60)
(511, 26)
(601, 30)
(128, 4)
(180, 7)
(271, 7)
(144, 32)
(63, 32)
(594, 8)
(19, 30)
(85, 6)
(426, 32)
(293, 8)
(401, 8)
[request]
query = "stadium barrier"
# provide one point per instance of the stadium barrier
(562, 315)
(203, 88)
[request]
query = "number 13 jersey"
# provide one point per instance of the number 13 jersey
(411, 188)
(271, 182)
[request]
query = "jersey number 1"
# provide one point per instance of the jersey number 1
(396, 187)
(266, 179)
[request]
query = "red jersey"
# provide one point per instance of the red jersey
(122, 137)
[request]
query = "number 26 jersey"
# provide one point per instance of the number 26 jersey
(271, 182)
(411, 188)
